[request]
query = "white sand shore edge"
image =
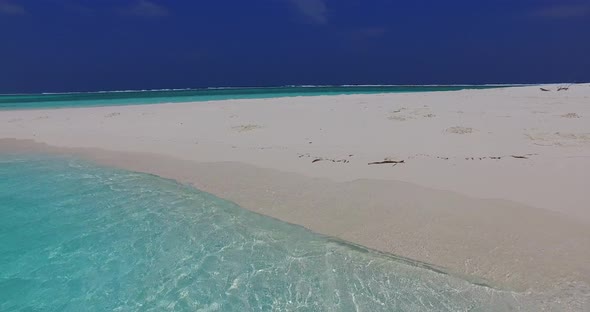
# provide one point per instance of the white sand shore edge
(305, 160)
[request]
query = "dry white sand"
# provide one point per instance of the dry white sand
(493, 184)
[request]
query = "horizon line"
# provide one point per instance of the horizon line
(287, 86)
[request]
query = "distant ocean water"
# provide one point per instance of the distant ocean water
(78, 237)
(113, 98)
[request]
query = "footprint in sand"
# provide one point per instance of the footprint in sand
(559, 138)
(570, 115)
(245, 128)
(460, 130)
(395, 115)
(398, 118)
(398, 115)
(112, 115)
(421, 112)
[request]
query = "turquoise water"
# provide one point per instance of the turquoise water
(78, 237)
(88, 99)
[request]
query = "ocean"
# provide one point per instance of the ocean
(75, 236)
(114, 98)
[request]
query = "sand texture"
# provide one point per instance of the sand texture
(492, 183)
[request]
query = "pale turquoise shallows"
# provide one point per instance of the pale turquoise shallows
(78, 237)
(115, 98)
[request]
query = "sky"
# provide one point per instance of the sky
(91, 45)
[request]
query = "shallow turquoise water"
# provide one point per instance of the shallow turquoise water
(78, 237)
(89, 99)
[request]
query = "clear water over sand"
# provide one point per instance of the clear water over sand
(115, 98)
(78, 237)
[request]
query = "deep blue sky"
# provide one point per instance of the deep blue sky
(83, 45)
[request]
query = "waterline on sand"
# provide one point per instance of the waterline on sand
(78, 236)
(135, 97)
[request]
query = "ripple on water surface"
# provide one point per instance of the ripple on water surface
(78, 237)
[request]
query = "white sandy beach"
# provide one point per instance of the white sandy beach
(494, 183)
